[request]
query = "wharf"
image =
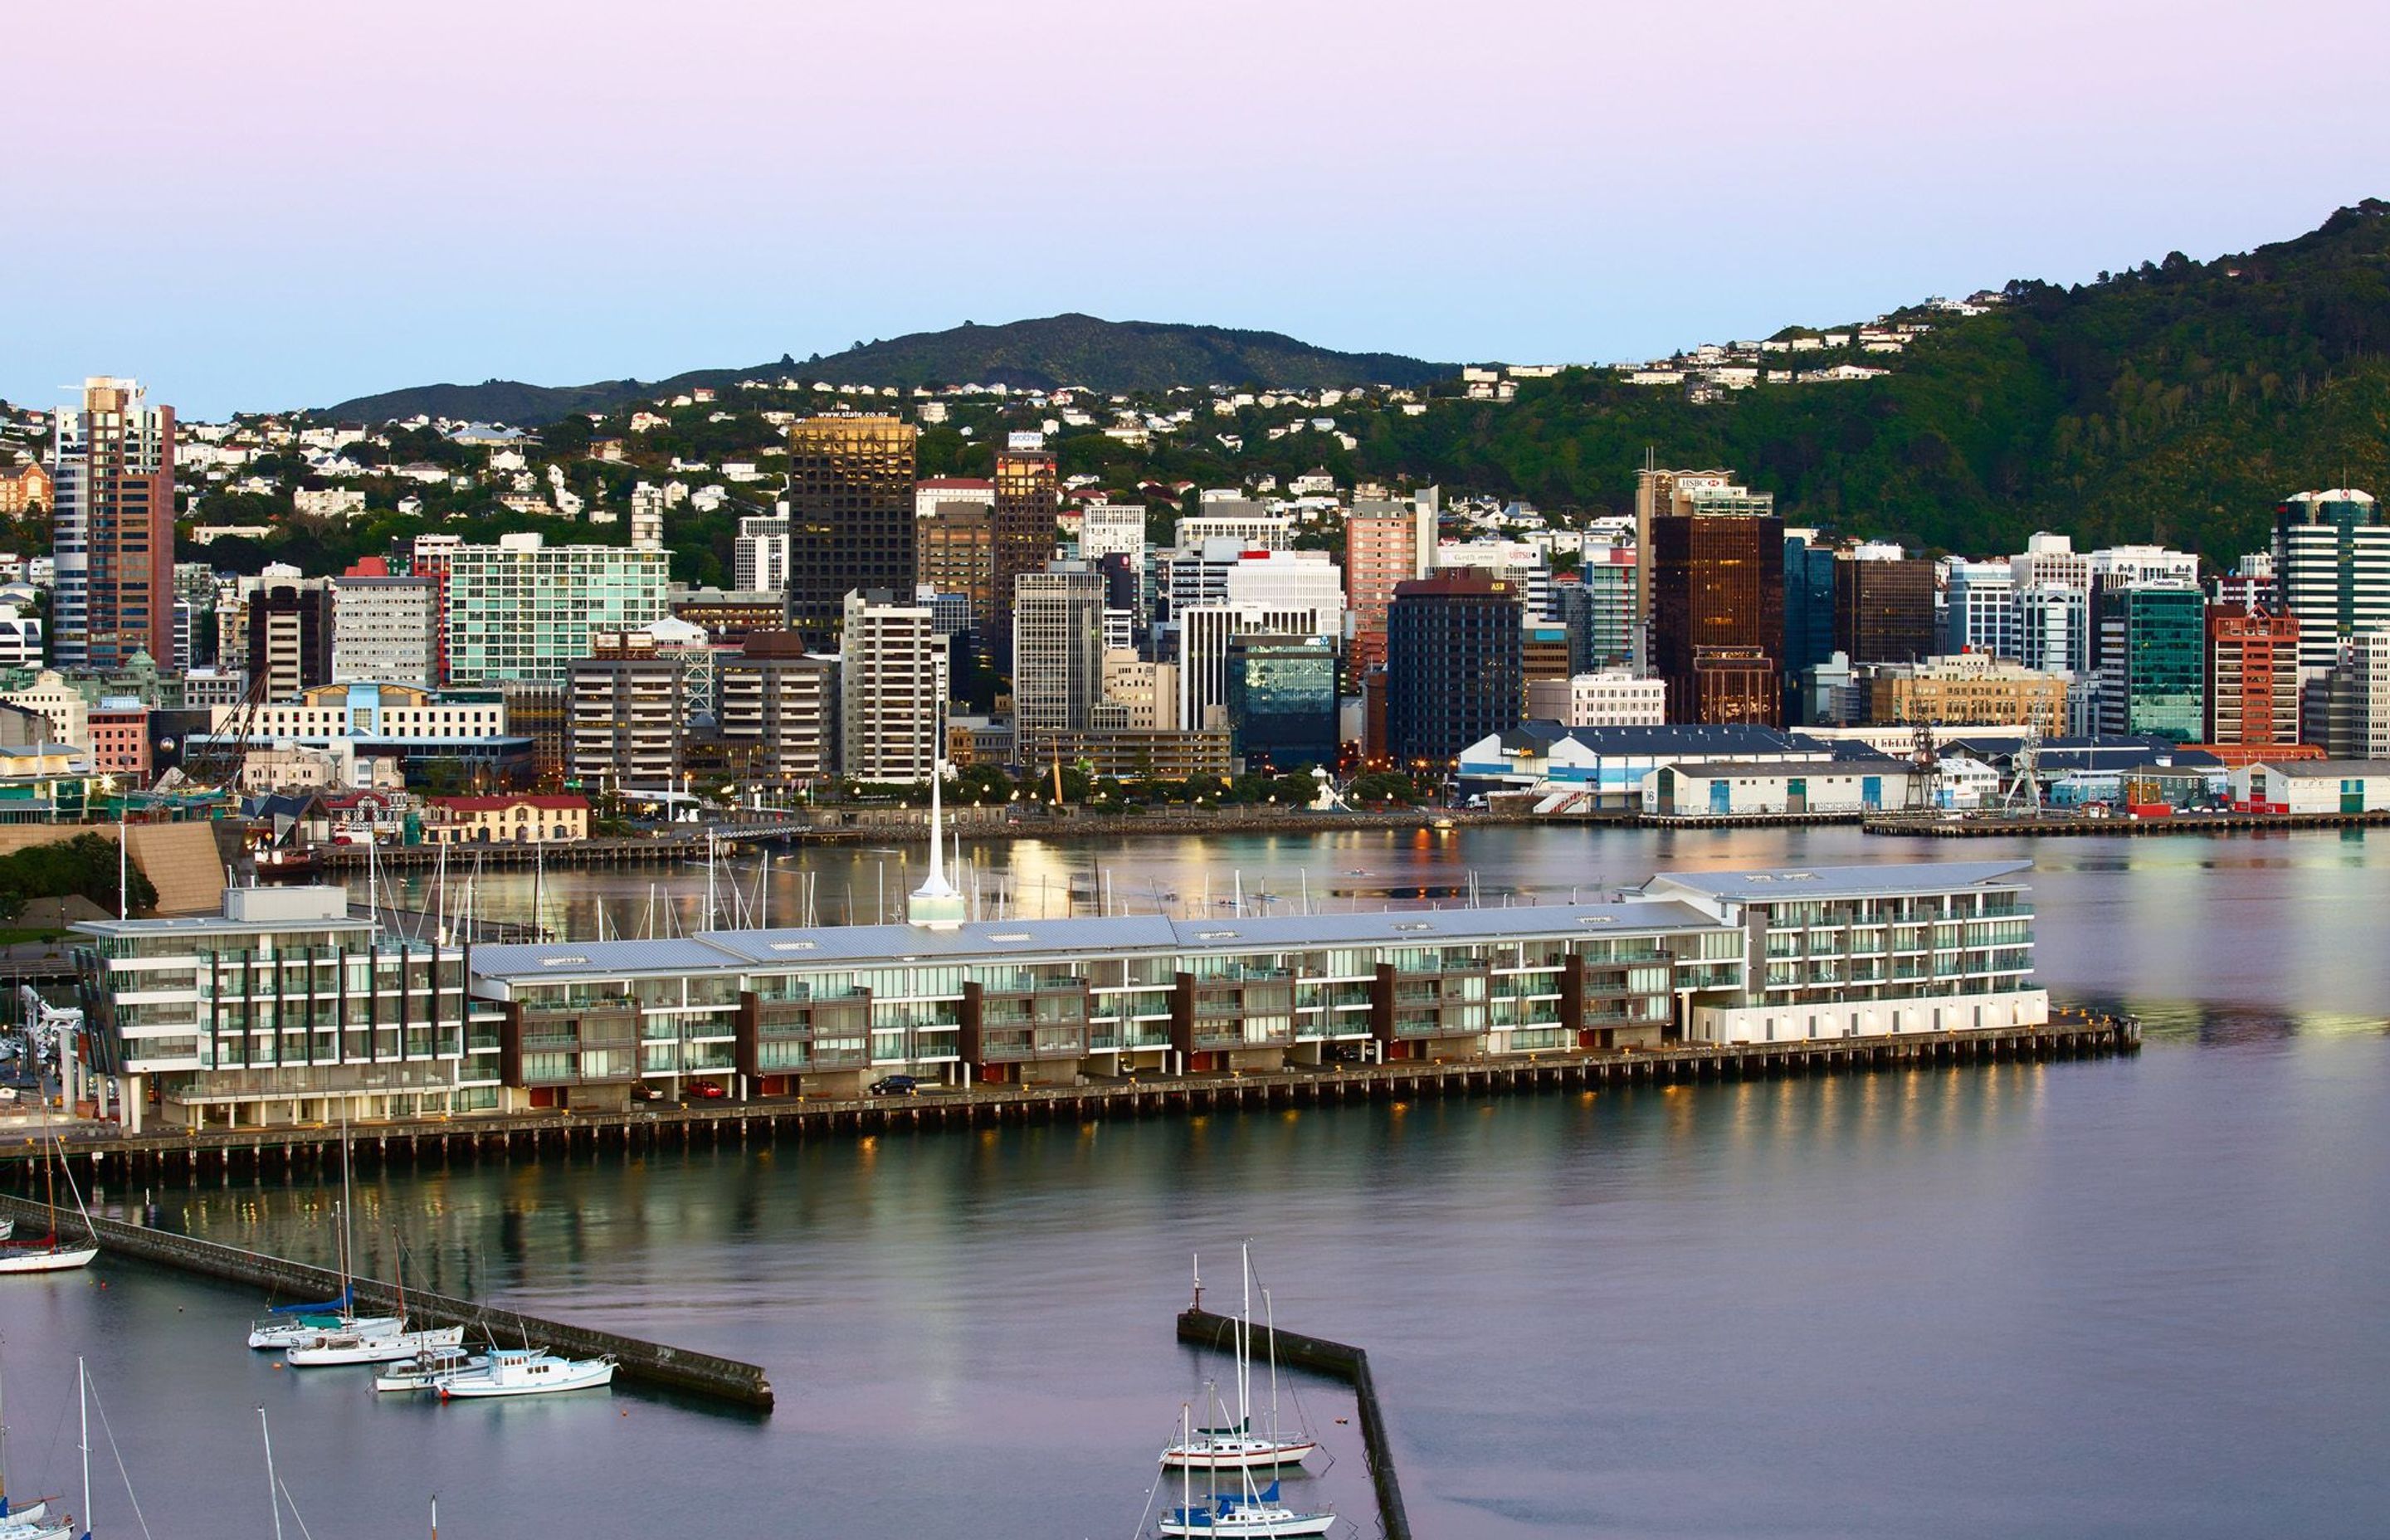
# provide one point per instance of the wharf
(647, 1363)
(1202, 1328)
(280, 1149)
(1984, 826)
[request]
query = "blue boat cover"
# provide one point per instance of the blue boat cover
(341, 1304)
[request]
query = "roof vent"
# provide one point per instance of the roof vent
(562, 962)
(1007, 935)
(795, 945)
(1216, 935)
(1413, 925)
(1596, 919)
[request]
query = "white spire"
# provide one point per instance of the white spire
(935, 904)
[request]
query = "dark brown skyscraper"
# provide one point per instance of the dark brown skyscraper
(1883, 611)
(850, 517)
(1716, 586)
(1028, 498)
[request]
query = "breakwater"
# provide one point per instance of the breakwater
(1202, 1328)
(277, 1149)
(640, 1361)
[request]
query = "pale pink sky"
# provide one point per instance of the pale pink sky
(267, 203)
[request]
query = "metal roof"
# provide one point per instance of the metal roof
(2326, 769)
(1892, 877)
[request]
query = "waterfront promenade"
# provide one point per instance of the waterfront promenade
(275, 1147)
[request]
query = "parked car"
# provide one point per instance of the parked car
(896, 1086)
(642, 1091)
(707, 1090)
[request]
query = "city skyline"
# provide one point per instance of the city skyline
(532, 202)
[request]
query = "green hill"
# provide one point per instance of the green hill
(2176, 402)
(1057, 350)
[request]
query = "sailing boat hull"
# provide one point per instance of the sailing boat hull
(345, 1348)
(26, 1513)
(309, 1333)
(63, 1260)
(501, 1378)
(1239, 1455)
(34, 1531)
(1247, 1523)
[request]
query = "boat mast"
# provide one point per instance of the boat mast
(1185, 1468)
(1269, 1323)
(1245, 1344)
(347, 1303)
(4, 1464)
(83, 1410)
(272, 1493)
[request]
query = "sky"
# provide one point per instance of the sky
(255, 205)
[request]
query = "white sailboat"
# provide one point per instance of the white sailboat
(358, 1347)
(1237, 1446)
(1252, 1514)
(52, 1255)
(308, 1325)
(525, 1371)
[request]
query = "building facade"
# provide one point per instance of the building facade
(386, 630)
(523, 610)
(850, 511)
(2153, 661)
(1282, 701)
(892, 682)
(1058, 649)
(1454, 666)
(1028, 503)
(1611, 698)
(113, 529)
(1969, 688)
(2332, 569)
(1883, 609)
(1715, 596)
(2252, 677)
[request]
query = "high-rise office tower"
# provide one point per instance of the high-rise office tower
(957, 555)
(850, 503)
(891, 687)
(1809, 602)
(1883, 609)
(290, 637)
(1713, 584)
(2332, 569)
(2153, 661)
(1979, 615)
(2253, 676)
(1058, 649)
(1663, 495)
(1454, 669)
(1028, 501)
(113, 520)
(2054, 627)
(759, 557)
(385, 630)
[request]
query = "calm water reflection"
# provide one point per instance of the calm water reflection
(2138, 1297)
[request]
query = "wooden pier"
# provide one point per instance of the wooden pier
(1207, 1329)
(280, 1149)
(2052, 825)
(653, 1364)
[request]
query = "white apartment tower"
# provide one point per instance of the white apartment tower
(385, 630)
(892, 689)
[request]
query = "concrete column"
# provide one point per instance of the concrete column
(137, 1102)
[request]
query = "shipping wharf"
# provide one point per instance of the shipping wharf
(277, 1148)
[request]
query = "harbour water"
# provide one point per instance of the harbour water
(2144, 1296)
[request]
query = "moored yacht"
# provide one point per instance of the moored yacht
(525, 1371)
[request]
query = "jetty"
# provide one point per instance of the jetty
(1201, 1327)
(278, 1150)
(1995, 824)
(651, 1363)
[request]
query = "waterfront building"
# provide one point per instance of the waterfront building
(1611, 697)
(851, 523)
(892, 682)
(1126, 753)
(1765, 790)
(111, 471)
(2153, 661)
(2252, 677)
(521, 818)
(1146, 691)
(285, 1009)
(524, 609)
(1966, 688)
(1605, 767)
(2332, 569)
(1883, 607)
(2312, 786)
(628, 717)
(1454, 672)
(1024, 517)
(385, 630)
(1282, 701)
(1263, 593)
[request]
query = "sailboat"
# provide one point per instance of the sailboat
(1236, 1447)
(374, 1345)
(309, 1323)
(1252, 1514)
(51, 1257)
